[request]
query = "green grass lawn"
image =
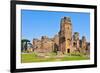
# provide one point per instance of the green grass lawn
(32, 57)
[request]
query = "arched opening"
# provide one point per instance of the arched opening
(74, 44)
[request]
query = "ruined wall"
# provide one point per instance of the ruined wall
(76, 42)
(84, 44)
(65, 35)
(46, 44)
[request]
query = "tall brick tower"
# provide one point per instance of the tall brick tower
(65, 35)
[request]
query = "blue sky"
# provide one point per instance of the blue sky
(37, 23)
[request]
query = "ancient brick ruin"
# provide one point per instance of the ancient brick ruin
(65, 41)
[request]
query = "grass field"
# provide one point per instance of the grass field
(32, 57)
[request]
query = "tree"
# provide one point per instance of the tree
(24, 46)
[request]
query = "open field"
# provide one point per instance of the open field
(32, 57)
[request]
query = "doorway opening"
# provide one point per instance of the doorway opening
(68, 50)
